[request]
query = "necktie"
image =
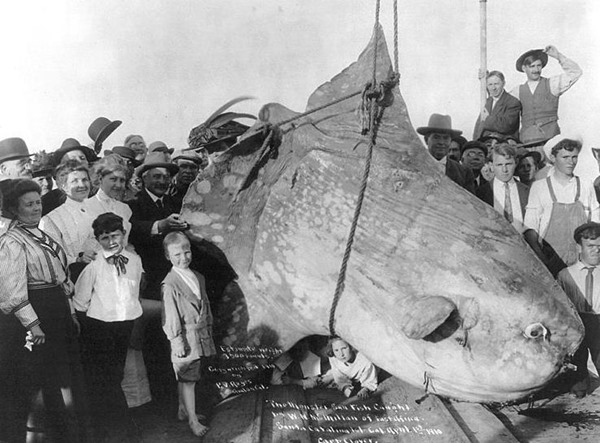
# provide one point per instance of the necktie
(508, 214)
(589, 286)
(119, 261)
(159, 204)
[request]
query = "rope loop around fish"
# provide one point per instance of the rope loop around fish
(375, 115)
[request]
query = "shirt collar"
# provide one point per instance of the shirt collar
(153, 196)
(102, 196)
(582, 266)
(552, 173)
(107, 254)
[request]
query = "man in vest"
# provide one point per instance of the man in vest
(539, 95)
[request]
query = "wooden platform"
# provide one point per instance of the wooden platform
(397, 413)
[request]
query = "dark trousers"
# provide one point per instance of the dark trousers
(591, 344)
(104, 350)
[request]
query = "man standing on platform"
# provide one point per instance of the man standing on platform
(438, 135)
(539, 95)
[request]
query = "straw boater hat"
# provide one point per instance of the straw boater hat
(538, 53)
(100, 129)
(70, 144)
(156, 160)
(13, 148)
(558, 138)
(439, 123)
(159, 147)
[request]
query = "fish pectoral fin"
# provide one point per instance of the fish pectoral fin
(424, 315)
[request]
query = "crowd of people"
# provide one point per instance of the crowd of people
(96, 272)
(82, 268)
(520, 163)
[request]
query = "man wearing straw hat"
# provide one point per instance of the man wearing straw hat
(539, 95)
(438, 134)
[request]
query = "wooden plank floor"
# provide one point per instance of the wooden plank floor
(397, 413)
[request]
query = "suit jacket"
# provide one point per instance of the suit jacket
(460, 175)
(149, 247)
(486, 193)
(503, 118)
(187, 319)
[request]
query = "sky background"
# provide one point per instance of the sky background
(163, 66)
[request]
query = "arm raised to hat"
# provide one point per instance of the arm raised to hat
(559, 84)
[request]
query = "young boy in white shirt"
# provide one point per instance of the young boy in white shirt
(107, 300)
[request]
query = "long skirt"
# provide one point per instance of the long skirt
(55, 375)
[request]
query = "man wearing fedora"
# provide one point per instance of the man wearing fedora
(438, 135)
(539, 95)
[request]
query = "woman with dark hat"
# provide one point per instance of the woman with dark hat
(35, 289)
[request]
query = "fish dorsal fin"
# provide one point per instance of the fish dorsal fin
(423, 315)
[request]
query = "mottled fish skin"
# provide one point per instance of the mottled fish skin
(440, 289)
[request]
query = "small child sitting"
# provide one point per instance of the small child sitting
(187, 322)
(107, 301)
(350, 370)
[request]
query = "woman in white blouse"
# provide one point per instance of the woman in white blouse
(71, 222)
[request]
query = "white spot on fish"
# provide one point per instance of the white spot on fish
(199, 218)
(217, 239)
(215, 216)
(231, 228)
(203, 187)
(217, 226)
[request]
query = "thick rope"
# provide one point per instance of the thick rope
(396, 63)
(374, 122)
(326, 105)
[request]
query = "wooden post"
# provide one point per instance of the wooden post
(483, 49)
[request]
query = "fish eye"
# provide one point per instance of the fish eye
(535, 331)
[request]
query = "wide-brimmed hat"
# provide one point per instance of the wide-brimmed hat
(558, 138)
(190, 155)
(71, 144)
(474, 144)
(13, 148)
(538, 53)
(156, 159)
(439, 123)
(159, 147)
(124, 152)
(100, 129)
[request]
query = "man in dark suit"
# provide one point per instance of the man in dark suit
(154, 214)
(506, 195)
(474, 157)
(438, 135)
(501, 112)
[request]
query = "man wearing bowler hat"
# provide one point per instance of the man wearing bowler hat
(438, 135)
(15, 159)
(539, 95)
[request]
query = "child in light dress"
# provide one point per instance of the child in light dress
(187, 322)
(351, 372)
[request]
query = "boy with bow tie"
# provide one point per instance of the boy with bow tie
(107, 301)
